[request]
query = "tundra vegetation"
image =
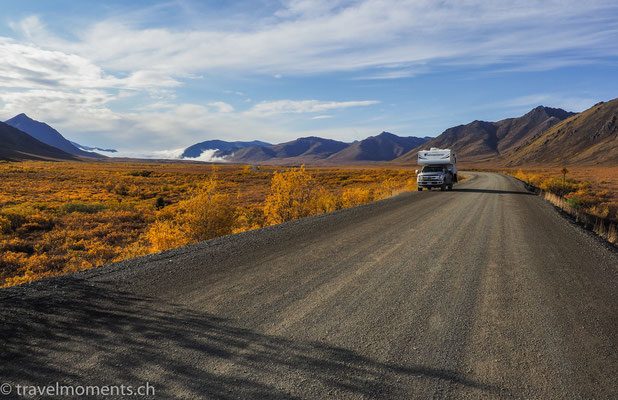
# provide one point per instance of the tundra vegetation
(589, 189)
(588, 194)
(57, 218)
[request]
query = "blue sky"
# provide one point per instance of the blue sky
(151, 77)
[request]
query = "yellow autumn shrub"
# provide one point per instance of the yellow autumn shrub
(208, 214)
(352, 197)
(205, 215)
(165, 235)
(292, 196)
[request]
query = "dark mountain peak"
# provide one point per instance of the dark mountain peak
(24, 119)
(386, 134)
(314, 139)
(48, 135)
(478, 122)
(548, 112)
(18, 145)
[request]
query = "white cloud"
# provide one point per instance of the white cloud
(222, 107)
(269, 108)
(208, 156)
(323, 36)
(322, 117)
(172, 154)
(29, 66)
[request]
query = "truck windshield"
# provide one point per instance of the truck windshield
(429, 168)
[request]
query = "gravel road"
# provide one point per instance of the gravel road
(482, 292)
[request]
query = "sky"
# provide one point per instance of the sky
(152, 77)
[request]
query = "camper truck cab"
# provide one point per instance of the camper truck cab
(439, 169)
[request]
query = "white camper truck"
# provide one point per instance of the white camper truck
(439, 169)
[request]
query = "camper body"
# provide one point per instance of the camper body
(439, 169)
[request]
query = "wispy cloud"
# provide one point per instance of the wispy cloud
(269, 108)
(312, 37)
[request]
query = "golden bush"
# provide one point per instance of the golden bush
(292, 196)
(356, 196)
(248, 219)
(208, 214)
(165, 235)
(324, 201)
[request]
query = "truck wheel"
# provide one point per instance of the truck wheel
(420, 189)
(443, 187)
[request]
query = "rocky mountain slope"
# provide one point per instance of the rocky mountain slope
(590, 137)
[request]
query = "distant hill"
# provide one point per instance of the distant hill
(486, 141)
(47, 135)
(590, 137)
(384, 147)
(197, 149)
(16, 145)
(302, 150)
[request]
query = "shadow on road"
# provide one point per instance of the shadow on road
(494, 191)
(84, 334)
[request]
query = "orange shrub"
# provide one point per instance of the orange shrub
(247, 219)
(165, 235)
(292, 196)
(356, 196)
(325, 201)
(207, 214)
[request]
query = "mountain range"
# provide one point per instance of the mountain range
(481, 141)
(303, 150)
(312, 150)
(543, 136)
